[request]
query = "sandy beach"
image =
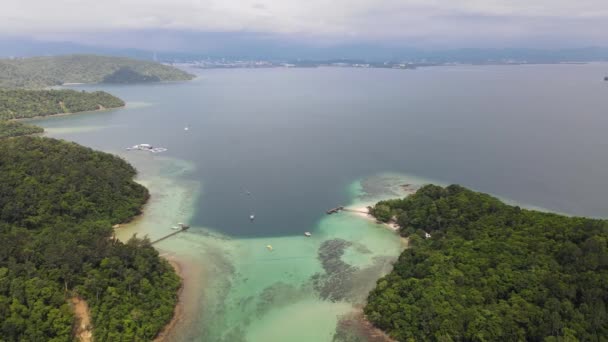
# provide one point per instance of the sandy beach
(178, 312)
(363, 212)
(38, 117)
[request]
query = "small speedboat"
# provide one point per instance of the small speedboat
(269, 247)
(252, 217)
(175, 228)
(307, 234)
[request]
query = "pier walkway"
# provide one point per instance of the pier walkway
(182, 229)
(341, 208)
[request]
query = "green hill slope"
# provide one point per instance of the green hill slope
(38, 72)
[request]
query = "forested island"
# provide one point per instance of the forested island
(22, 103)
(58, 202)
(488, 271)
(40, 72)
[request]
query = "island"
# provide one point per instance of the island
(58, 203)
(41, 72)
(482, 270)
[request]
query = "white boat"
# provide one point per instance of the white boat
(147, 147)
(186, 128)
(175, 228)
(307, 234)
(252, 217)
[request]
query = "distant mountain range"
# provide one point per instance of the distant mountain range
(234, 47)
(12, 47)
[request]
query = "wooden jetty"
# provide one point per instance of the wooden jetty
(334, 210)
(183, 227)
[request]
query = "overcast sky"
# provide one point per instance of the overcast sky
(464, 22)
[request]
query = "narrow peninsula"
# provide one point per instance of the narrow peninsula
(24, 104)
(482, 270)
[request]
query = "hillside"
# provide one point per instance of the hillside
(39, 72)
(21, 103)
(14, 129)
(491, 272)
(58, 201)
(126, 75)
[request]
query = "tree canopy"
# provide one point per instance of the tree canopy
(14, 128)
(58, 201)
(491, 272)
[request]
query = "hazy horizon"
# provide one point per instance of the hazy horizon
(206, 26)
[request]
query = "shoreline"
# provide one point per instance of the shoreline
(134, 219)
(178, 311)
(357, 321)
(373, 332)
(355, 325)
(38, 117)
(363, 212)
(177, 265)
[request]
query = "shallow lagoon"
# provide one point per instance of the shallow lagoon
(246, 292)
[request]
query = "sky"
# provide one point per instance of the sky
(450, 23)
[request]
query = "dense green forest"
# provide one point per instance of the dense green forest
(39, 72)
(58, 202)
(491, 272)
(14, 128)
(21, 103)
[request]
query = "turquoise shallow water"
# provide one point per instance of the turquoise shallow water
(289, 144)
(249, 293)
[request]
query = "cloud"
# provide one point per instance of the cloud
(391, 20)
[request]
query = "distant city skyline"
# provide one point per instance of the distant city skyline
(176, 24)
